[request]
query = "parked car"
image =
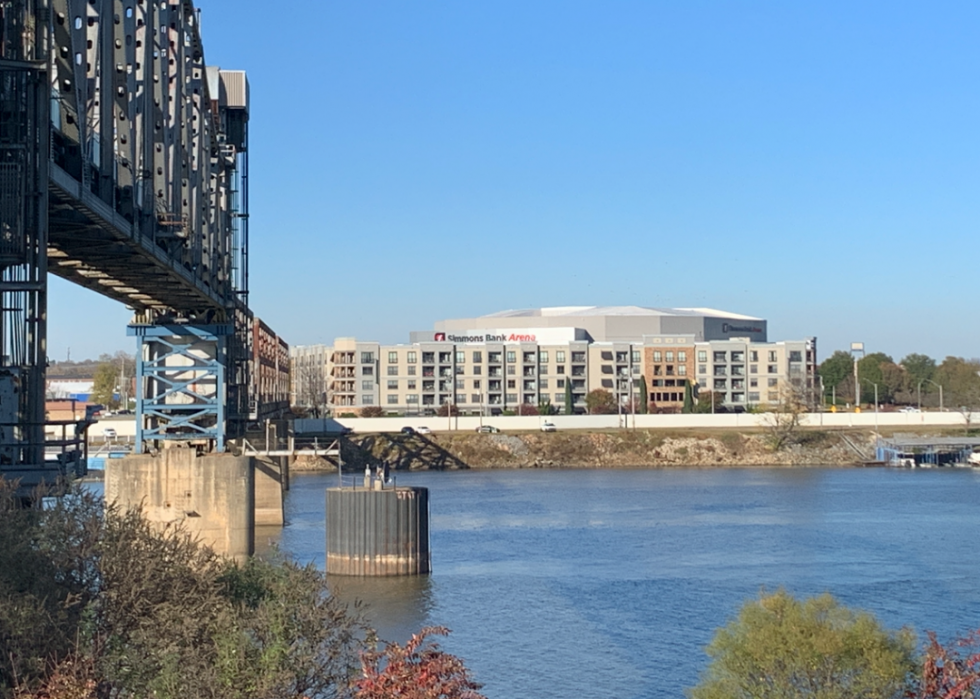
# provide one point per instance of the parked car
(490, 429)
(909, 409)
(109, 433)
(548, 427)
(422, 429)
(408, 430)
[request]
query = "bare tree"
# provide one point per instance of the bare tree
(785, 417)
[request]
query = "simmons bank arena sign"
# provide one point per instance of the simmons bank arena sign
(728, 328)
(547, 336)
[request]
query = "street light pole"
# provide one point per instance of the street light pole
(919, 391)
(876, 404)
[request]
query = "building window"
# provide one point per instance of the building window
(682, 370)
(367, 357)
(753, 383)
(738, 356)
(561, 369)
(412, 398)
(721, 370)
(367, 371)
(476, 398)
(511, 383)
(477, 357)
(511, 357)
(445, 357)
(392, 371)
(702, 369)
(392, 399)
(772, 355)
(773, 396)
(772, 382)
(560, 383)
(738, 398)
(528, 357)
(753, 368)
(393, 384)
(657, 356)
(681, 356)
(669, 355)
(543, 354)
(578, 356)
(702, 356)
(411, 371)
(412, 358)
(367, 400)
(544, 383)
(635, 356)
(754, 356)
(753, 397)
(606, 356)
(543, 370)
(428, 357)
(607, 369)
(721, 384)
(411, 385)
(559, 356)
(796, 356)
(460, 383)
(772, 369)
(367, 385)
(476, 384)
(511, 398)
(493, 357)
(720, 357)
(477, 370)
(393, 357)
(511, 370)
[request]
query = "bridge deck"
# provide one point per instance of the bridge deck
(93, 246)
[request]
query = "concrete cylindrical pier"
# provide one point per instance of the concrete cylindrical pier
(378, 532)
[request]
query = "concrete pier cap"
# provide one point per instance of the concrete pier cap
(211, 496)
(378, 531)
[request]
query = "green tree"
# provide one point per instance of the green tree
(873, 369)
(919, 367)
(961, 385)
(600, 402)
(709, 401)
(688, 398)
(104, 385)
(569, 398)
(546, 408)
(780, 647)
(835, 369)
(644, 405)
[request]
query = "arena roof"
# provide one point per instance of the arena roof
(580, 311)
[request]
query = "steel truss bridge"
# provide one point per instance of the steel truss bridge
(124, 169)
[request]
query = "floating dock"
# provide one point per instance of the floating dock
(926, 452)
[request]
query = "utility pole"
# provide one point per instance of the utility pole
(855, 348)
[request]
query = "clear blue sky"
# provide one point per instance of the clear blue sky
(813, 163)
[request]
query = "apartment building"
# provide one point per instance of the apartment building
(668, 367)
(747, 373)
(485, 365)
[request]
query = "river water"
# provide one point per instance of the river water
(589, 583)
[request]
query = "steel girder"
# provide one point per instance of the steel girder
(181, 383)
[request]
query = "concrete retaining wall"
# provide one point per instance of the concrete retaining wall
(600, 422)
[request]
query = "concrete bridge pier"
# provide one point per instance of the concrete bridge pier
(213, 497)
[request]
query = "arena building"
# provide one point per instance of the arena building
(603, 324)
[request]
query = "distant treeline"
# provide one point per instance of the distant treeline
(915, 379)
